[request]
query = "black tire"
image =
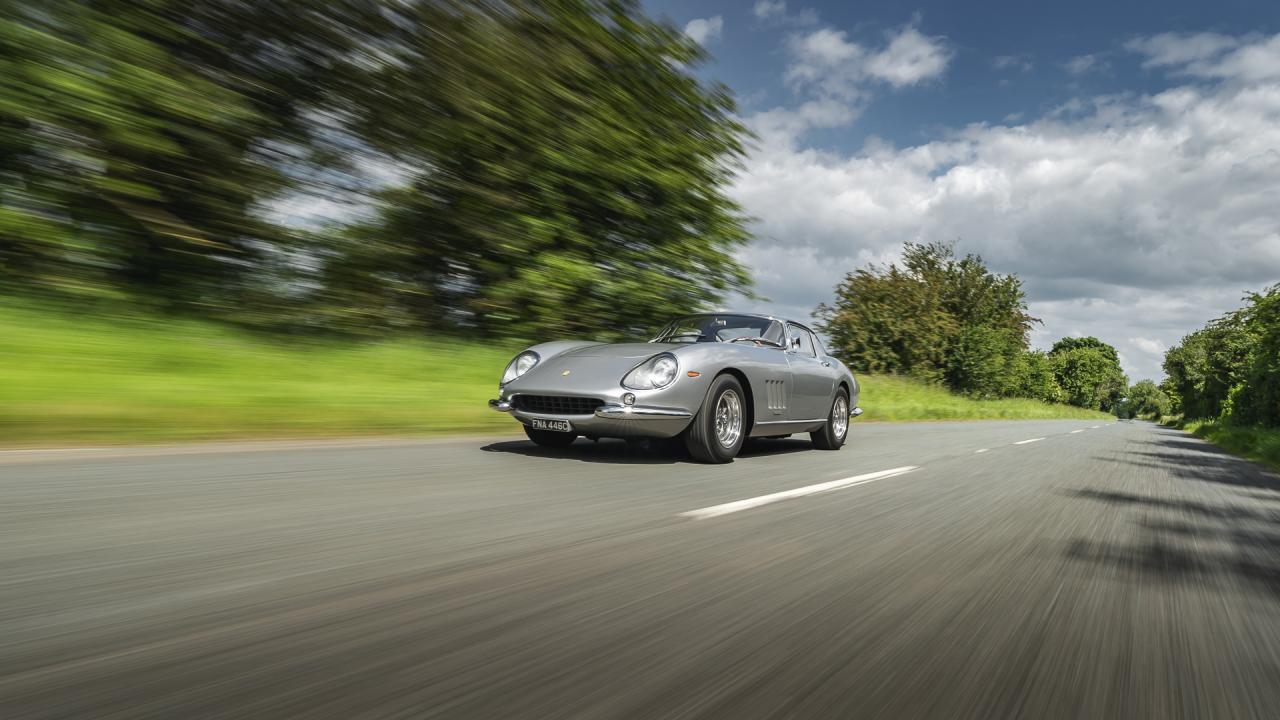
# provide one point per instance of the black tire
(550, 438)
(826, 438)
(701, 438)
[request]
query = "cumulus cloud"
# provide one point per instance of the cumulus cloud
(1133, 218)
(766, 9)
(822, 51)
(1081, 64)
(775, 12)
(1012, 62)
(836, 76)
(1169, 49)
(705, 30)
(1209, 55)
(909, 59)
(1148, 345)
(827, 60)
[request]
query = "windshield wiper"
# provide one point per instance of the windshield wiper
(756, 340)
(662, 338)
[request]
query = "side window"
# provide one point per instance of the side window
(806, 341)
(817, 344)
(774, 333)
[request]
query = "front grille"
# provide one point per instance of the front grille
(556, 404)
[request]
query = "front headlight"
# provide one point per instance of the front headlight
(657, 372)
(522, 364)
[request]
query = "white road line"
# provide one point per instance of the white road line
(1024, 442)
(1094, 427)
(980, 450)
(732, 507)
(1073, 432)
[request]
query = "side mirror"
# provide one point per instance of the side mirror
(795, 343)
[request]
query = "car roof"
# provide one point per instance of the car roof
(754, 315)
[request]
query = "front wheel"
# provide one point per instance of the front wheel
(550, 438)
(720, 427)
(833, 433)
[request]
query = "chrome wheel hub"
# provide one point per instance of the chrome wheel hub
(840, 417)
(728, 418)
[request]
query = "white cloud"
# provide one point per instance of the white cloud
(766, 9)
(705, 30)
(1180, 48)
(909, 59)
(1012, 62)
(1132, 218)
(828, 68)
(827, 60)
(1149, 346)
(823, 49)
(775, 12)
(1209, 55)
(1081, 64)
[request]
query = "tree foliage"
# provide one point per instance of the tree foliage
(951, 320)
(551, 165)
(1146, 399)
(1230, 369)
(137, 138)
(570, 171)
(1088, 372)
(938, 317)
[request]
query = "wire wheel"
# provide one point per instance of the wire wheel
(840, 416)
(729, 418)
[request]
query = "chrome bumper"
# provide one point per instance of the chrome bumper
(639, 412)
(618, 412)
(852, 413)
(613, 420)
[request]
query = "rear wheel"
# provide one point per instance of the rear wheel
(720, 427)
(550, 438)
(832, 434)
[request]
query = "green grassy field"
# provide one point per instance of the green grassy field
(1255, 443)
(67, 379)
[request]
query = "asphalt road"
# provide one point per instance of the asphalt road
(1116, 571)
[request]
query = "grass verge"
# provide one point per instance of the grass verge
(68, 379)
(1256, 443)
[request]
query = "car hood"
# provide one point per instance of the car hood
(587, 369)
(630, 351)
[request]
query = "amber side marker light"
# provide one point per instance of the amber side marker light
(693, 373)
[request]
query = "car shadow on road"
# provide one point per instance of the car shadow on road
(1181, 538)
(619, 452)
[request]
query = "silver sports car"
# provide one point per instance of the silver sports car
(714, 379)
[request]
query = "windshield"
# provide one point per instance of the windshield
(722, 328)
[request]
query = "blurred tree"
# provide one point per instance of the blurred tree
(1209, 363)
(1032, 376)
(1088, 371)
(938, 317)
(1230, 369)
(1072, 343)
(140, 138)
(1146, 399)
(570, 172)
(1256, 400)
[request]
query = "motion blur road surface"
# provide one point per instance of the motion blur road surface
(1104, 571)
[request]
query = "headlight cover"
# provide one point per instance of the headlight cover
(520, 365)
(657, 372)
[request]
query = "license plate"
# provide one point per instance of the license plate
(557, 425)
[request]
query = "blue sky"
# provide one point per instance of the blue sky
(1123, 159)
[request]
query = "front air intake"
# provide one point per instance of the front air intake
(556, 404)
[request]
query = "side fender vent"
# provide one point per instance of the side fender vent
(776, 395)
